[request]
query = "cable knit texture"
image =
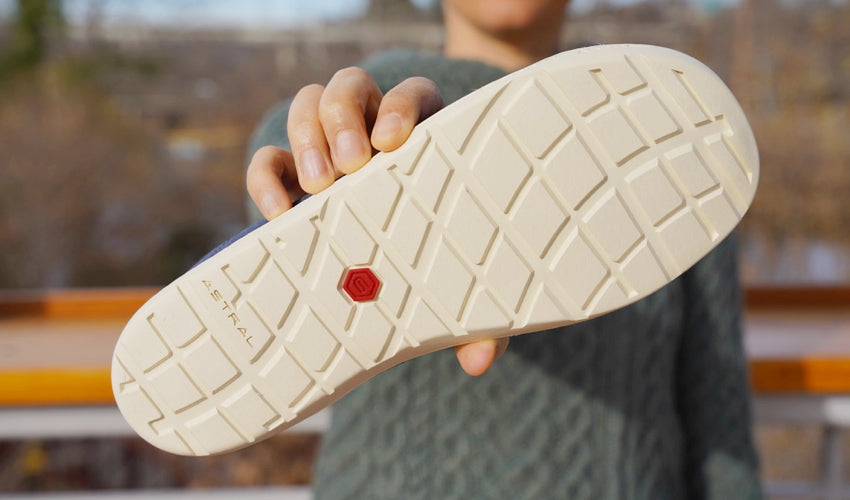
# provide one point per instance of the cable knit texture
(649, 402)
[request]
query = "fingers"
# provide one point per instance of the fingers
(272, 181)
(330, 127)
(476, 358)
(307, 139)
(347, 109)
(401, 109)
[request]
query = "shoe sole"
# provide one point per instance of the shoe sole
(563, 191)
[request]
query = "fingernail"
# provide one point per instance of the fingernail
(387, 128)
(349, 148)
(313, 164)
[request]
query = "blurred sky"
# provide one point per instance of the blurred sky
(245, 13)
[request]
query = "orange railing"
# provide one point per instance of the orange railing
(69, 384)
(818, 373)
(84, 303)
(74, 385)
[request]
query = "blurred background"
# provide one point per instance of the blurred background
(123, 132)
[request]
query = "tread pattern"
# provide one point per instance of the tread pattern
(547, 198)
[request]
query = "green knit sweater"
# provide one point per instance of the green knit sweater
(649, 402)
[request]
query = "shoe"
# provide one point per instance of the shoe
(558, 193)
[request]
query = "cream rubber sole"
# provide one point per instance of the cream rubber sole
(563, 191)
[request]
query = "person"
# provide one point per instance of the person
(650, 401)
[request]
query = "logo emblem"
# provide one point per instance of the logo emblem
(361, 284)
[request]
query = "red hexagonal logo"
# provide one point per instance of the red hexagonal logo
(361, 284)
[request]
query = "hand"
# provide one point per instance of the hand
(329, 131)
(332, 131)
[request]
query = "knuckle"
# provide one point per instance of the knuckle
(334, 111)
(351, 72)
(261, 156)
(303, 107)
(421, 82)
(298, 130)
(266, 159)
(268, 149)
(417, 88)
(309, 90)
(304, 100)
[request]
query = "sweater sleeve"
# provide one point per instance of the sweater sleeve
(712, 386)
